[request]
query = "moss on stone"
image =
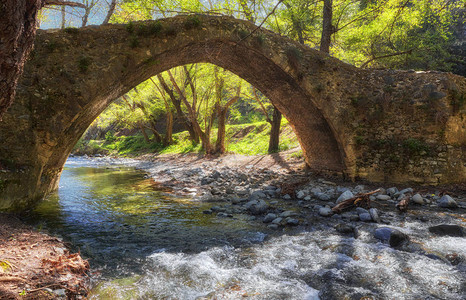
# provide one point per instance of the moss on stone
(83, 63)
(192, 22)
(71, 30)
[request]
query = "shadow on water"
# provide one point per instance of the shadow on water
(116, 218)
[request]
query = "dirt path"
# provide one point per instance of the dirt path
(35, 265)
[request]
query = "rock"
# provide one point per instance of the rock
(418, 199)
(307, 198)
(60, 292)
(287, 197)
(277, 221)
(300, 195)
(287, 214)
(206, 181)
(316, 191)
(365, 217)
(325, 211)
(215, 175)
(447, 202)
(256, 195)
(383, 197)
(207, 212)
(391, 191)
(359, 189)
(448, 230)
(273, 226)
(405, 191)
(344, 228)
(361, 210)
(345, 196)
(217, 208)
(270, 188)
(224, 215)
(292, 222)
(323, 197)
(374, 215)
(269, 218)
(393, 237)
(256, 207)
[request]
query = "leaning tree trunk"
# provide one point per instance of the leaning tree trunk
(18, 20)
(274, 139)
(221, 117)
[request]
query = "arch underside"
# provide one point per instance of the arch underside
(317, 140)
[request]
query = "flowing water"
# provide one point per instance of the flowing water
(147, 244)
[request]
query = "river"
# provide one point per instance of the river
(144, 243)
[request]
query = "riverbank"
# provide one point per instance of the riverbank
(303, 239)
(36, 265)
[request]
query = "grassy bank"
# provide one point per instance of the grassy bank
(247, 139)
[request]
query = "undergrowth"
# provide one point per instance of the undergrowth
(246, 139)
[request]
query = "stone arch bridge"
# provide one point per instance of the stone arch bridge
(379, 125)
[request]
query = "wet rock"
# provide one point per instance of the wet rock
(345, 228)
(394, 237)
(345, 196)
(292, 222)
(447, 202)
(256, 207)
(418, 199)
(365, 217)
(325, 211)
(448, 230)
(269, 218)
(374, 215)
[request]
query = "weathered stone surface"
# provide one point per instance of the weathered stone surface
(348, 120)
(448, 230)
(447, 202)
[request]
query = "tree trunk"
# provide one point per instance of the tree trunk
(221, 117)
(274, 139)
(18, 19)
(327, 27)
(144, 133)
(111, 10)
(181, 115)
(168, 139)
(63, 17)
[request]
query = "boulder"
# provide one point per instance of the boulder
(448, 230)
(447, 202)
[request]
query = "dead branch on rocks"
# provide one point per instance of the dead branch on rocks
(360, 200)
(72, 263)
(403, 204)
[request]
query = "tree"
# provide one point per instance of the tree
(18, 22)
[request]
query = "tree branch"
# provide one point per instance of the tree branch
(387, 55)
(67, 3)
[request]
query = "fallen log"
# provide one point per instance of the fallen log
(360, 200)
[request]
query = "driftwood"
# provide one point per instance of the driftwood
(360, 200)
(403, 204)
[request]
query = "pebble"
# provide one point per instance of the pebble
(365, 217)
(361, 210)
(272, 226)
(447, 202)
(300, 195)
(287, 214)
(269, 218)
(383, 197)
(374, 215)
(277, 221)
(418, 199)
(325, 211)
(287, 197)
(391, 191)
(323, 197)
(292, 222)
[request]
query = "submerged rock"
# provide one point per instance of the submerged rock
(448, 230)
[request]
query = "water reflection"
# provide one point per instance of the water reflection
(113, 215)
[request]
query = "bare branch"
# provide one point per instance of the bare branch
(67, 3)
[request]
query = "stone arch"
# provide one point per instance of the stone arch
(74, 74)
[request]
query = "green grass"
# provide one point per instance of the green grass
(246, 139)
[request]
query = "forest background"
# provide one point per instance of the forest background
(204, 108)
